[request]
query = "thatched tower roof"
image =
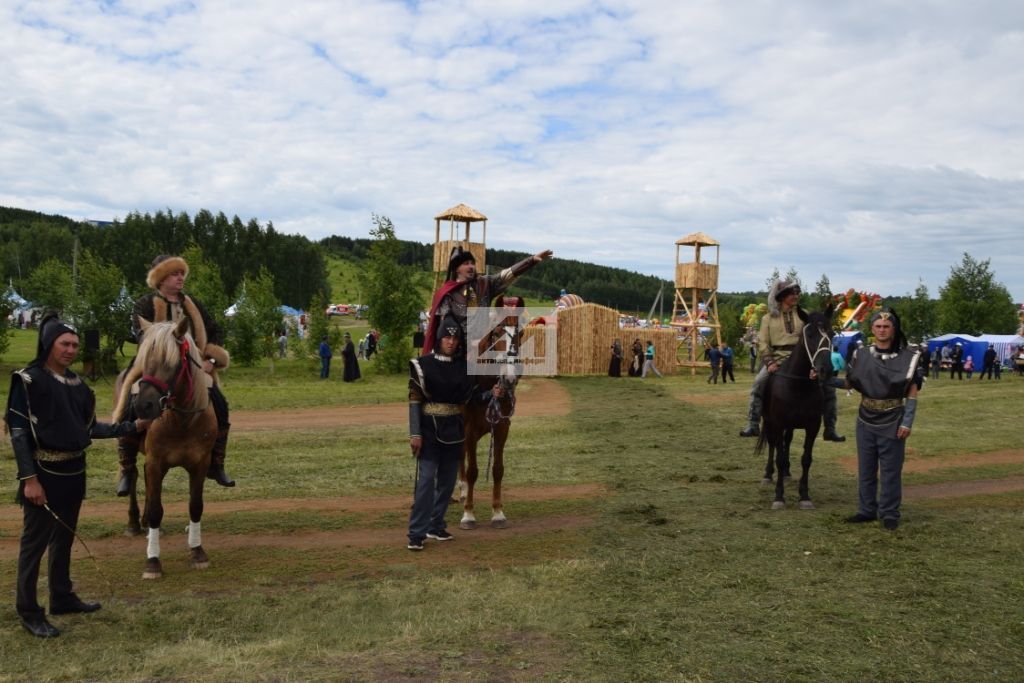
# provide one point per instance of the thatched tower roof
(698, 238)
(462, 213)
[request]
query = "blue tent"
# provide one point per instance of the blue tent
(843, 341)
(973, 346)
(288, 310)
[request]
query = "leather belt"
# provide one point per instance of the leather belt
(57, 456)
(441, 409)
(784, 347)
(881, 404)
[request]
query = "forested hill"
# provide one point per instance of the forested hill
(28, 239)
(614, 287)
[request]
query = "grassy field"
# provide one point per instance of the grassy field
(675, 570)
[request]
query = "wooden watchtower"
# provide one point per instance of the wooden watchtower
(458, 216)
(696, 301)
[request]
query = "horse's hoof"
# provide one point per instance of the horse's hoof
(767, 481)
(467, 524)
(197, 558)
(778, 504)
(132, 531)
(153, 569)
(806, 505)
(499, 523)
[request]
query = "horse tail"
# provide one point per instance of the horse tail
(766, 404)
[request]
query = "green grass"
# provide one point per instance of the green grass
(683, 574)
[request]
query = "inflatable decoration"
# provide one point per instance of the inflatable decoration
(568, 301)
(752, 314)
(854, 307)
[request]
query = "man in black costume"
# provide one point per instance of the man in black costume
(168, 302)
(52, 420)
(438, 387)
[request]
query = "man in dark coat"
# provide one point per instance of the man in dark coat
(52, 420)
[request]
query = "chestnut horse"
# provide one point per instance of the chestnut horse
(174, 392)
(494, 418)
(792, 400)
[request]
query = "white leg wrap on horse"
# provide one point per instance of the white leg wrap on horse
(195, 538)
(153, 546)
(468, 516)
(498, 516)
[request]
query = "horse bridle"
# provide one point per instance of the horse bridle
(182, 372)
(824, 344)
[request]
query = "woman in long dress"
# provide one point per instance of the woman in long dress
(348, 356)
(615, 367)
(636, 365)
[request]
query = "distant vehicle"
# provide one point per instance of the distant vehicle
(340, 309)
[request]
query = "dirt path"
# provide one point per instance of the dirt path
(536, 397)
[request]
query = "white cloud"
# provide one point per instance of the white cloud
(873, 142)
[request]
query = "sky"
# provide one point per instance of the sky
(873, 142)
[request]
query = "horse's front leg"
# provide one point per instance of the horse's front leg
(500, 436)
(805, 462)
(197, 558)
(468, 520)
(154, 515)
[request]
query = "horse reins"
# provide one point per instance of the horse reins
(495, 416)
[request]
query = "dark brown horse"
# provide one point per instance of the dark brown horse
(493, 418)
(793, 400)
(174, 392)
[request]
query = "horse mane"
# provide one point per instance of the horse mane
(159, 354)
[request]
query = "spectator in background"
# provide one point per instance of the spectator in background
(637, 364)
(988, 362)
(727, 362)
(615, 366)
(956, 357)
(715, 358)
(325, 358)
(969, 366)
(649, 361)
(348, 357)
(936, 362)
(282, 344)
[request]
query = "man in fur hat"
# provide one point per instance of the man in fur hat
(779, 334)
(51, 415)
(168, 302)
(464, 289)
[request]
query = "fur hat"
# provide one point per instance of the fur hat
(778, 292)
(458, 257)
(163, 265)
(50, 328)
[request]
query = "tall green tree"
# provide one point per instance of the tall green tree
(253, 329)
(205, 284)
(973, 302)
(97, 305)
(392, 296)
(823, 291)
(50, 286)
(6, 308)
(918, 316)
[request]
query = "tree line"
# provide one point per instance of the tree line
(237, 249)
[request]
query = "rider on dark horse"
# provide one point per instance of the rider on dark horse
(168, 302)
(778, 335)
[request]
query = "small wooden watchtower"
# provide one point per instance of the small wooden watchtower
(457, 217)
(696, 301)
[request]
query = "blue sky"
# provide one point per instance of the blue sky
(874, 142)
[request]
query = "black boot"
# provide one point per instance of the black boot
(750, 430)
(127, 451)
(216, 471)
(830, 435)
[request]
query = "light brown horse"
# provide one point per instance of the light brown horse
(493, 418)
(174, 392)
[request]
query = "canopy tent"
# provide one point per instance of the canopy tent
(289, 311)
(1004, 344)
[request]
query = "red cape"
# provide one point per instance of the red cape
(446, 288)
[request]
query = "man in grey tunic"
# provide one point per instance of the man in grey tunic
(887, 376)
